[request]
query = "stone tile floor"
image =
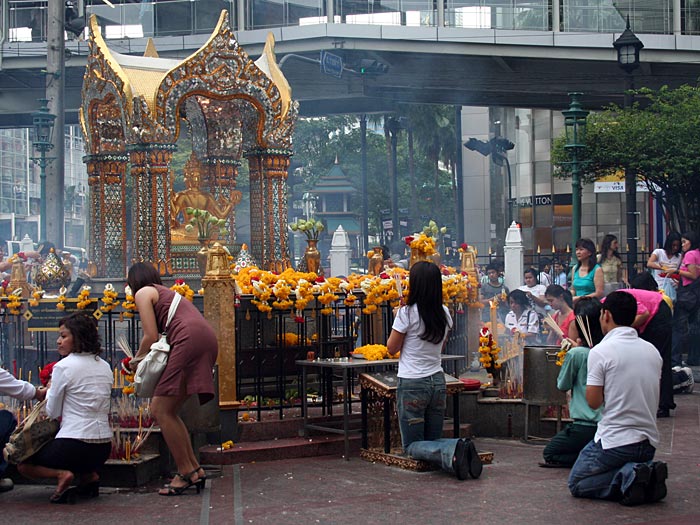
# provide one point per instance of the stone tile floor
(330, 490)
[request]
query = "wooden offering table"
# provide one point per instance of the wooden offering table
(381, 437)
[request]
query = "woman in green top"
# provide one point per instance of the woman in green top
(563, 449)
(587, 277)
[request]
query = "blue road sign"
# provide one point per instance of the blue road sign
(331, 64)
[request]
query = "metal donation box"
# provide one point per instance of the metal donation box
(540, 373)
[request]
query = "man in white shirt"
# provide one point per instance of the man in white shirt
(9, 386)
(623, 372)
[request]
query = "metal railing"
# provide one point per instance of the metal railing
(267, 344)
(26, 21)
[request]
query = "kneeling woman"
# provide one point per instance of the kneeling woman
(79, 394)
(419, 332)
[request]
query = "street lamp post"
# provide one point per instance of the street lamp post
(42, 122)
(497, 148)
(628, 47)
(575, 125)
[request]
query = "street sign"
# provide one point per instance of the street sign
(331, 64)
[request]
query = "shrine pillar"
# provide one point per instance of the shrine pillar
(107, 182)
(150, 167)
(222, 185)
(268, 208)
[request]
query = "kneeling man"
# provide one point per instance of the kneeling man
(623, 373)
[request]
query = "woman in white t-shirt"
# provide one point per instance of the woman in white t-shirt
(665, 261)
(419, 332)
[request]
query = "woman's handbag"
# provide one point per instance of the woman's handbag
(33, 433)
(151, 367)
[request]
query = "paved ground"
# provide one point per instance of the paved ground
(330, 490)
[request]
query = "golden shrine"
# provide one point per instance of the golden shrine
(131, 115)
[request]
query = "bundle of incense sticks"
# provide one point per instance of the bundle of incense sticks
(585, 330)
(549, 321)
(399, 288)
(123, 345)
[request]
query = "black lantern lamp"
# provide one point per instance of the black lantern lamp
(628, 47)
(575, 125)
(43, 122)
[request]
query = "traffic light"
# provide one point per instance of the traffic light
(369, 66)
(74, 23)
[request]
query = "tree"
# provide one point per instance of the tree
(657, 138)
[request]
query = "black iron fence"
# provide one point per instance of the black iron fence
(267, 344)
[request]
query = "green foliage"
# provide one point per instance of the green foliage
(657, 138)
(318, 141)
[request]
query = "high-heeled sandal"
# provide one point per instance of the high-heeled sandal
(68, 496)
(89, 490)
(201, 480)
(179, 491)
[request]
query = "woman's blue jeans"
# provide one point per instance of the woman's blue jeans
(421, 406)
(607, 473)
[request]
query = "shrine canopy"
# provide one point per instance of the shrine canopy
(131, 115)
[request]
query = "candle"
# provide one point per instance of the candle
(20, 374)
(127, 449)
(140, 417)
(114, 385)
(493, 317)
(29, 377)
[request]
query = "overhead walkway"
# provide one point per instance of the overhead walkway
(504, 59)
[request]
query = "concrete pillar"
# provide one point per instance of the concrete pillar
(340, 252)
(513, 255)
(676, 17)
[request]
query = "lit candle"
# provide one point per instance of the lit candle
(493, 317)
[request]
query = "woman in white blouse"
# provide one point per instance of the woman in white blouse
(79, 394)
(521, 318)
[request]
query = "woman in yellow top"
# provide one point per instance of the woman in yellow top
(611, 263)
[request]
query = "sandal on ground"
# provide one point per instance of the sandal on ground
(89, 490)
(68, 496)
(179, 491)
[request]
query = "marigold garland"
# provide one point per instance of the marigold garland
(374, 352)
(37, 295)
(109, 298)
(128, 305)
(183, 289)
(566, 345)
(14, 304)
(489, 351)
(60, 305)
(84, 298)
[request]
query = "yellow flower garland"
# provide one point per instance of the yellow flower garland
(37, 295)
(109, 298)
(373, 352)
(84, 298)
(14, 304)
(489, 350)
(129, 305)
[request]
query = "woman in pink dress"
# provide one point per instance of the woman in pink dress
(193, 352)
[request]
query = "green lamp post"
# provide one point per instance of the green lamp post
(575, 124)
(42, 122)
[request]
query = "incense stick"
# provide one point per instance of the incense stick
(549, 321)
(123, 345)
(586, 334)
